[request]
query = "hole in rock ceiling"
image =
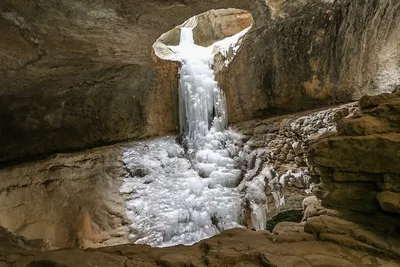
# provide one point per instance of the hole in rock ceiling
(222, 28)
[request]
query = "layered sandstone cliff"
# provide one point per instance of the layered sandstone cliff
(359, 167)
(359, 179)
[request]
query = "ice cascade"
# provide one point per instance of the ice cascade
(182, 194)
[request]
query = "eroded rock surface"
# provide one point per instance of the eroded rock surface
(359, 174)
(236, 247)
(276, 152)
(68, 200)
(359, 167)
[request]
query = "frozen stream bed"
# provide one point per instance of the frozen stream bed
(182, 194)
(169, 202)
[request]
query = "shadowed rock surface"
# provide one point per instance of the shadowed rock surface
(79, 74)
(236, 247)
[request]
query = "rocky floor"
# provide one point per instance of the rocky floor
(287, 246)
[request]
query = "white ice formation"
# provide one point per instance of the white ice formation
(180, 195)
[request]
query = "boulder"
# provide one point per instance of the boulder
(389, 201)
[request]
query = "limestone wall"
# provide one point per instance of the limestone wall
(359, 168)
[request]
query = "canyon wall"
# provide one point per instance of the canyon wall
(358, 167)
(76, 74)
(79, 74)
(313, 53)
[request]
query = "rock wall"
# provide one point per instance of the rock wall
(77, 74)
(359, 168)
(275, 152)
(358, 203)
(67, 200)
(359, 179)
(312, 53)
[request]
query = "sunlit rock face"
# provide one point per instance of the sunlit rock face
(211, 26)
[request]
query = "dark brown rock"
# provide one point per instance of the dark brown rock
(352, 196)
(389, 201)
(357, 177)
(367, 101)
(364, 125)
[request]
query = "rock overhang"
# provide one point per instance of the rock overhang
(209, 27)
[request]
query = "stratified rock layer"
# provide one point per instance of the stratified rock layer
(359, 179)
(359, 167)
(288, 246)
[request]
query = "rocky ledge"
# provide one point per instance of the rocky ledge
(359, 167)
(287, 246)
(359, 179)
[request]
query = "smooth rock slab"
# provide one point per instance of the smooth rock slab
(378, 153)
(389, 201)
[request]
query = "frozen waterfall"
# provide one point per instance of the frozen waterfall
(180, 196)
(201, 101)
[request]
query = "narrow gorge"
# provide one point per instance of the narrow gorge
(200, 133)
